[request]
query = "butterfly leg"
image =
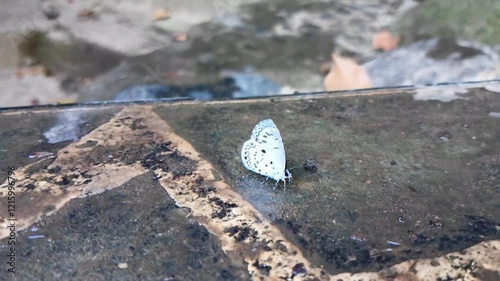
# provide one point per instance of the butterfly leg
(276, 184)
(265, 180)
(288, 176)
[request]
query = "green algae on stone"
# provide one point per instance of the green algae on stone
(465, 19)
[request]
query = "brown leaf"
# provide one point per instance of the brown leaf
(346, 74)
(88, 13)
(181, 37)
(385, 41)
(161, 14)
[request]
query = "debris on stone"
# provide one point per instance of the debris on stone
(35, 236)
(393, 243)
(40, 154)
(310, 166)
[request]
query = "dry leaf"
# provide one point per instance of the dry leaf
(161, 14)
(346, 74)
(66, 101)
(385, 41)
(181, 37)
(88, 13)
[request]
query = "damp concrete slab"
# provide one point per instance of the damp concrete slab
(134, 232)
(387, 184)
(378, 179)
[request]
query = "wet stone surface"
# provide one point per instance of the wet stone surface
(133, 232)
(22, 136)
(378, 179)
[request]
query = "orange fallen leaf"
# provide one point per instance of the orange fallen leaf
(346, 74)
(385, 41)
(181, 37)
(161, 14)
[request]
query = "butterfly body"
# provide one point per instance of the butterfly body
(264, 152)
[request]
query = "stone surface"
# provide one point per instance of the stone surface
(132, 232)
(398, 176)
(388, 184)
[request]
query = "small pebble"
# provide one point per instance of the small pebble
(122, 265)
(299, 270)
(310, 167)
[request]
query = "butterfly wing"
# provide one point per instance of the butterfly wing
(248, 148)
(267, 123)
(264, 153)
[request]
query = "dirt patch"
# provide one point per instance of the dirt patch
(241, 233)
(224, 207)
(173, 162)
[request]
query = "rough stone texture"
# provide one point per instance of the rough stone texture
(136, 224)
(390, 184)
(398, 176)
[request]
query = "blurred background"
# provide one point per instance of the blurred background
(70, 51)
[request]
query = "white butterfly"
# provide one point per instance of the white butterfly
(264, 152)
